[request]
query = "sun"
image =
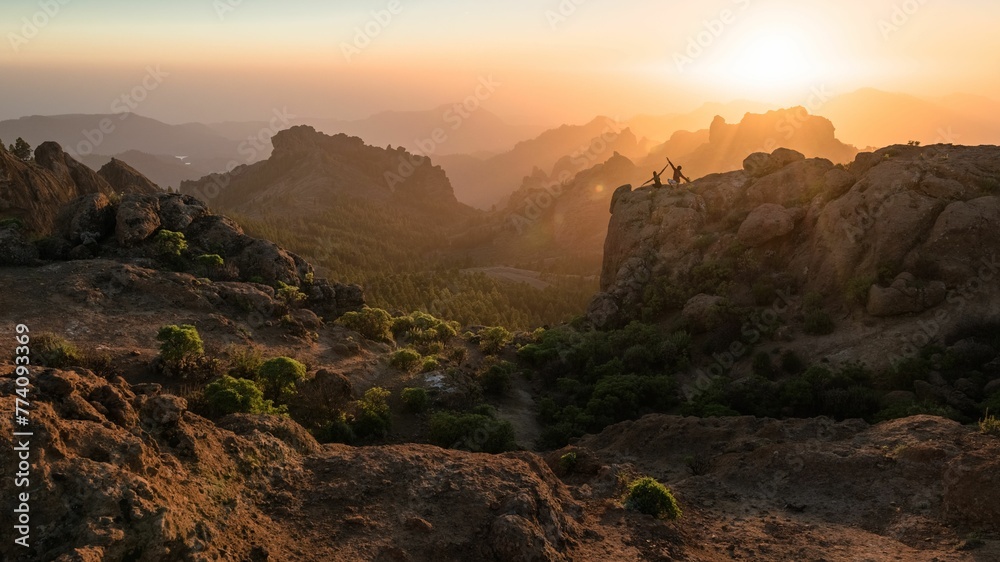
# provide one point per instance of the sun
(770, 61)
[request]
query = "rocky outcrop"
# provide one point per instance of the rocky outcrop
(126, 179)
(34, 192)
(90, 217)
(931, 211)
(137, 219)
(765, 223)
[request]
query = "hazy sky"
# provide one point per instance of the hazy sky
(559, 60)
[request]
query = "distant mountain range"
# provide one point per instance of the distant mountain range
(487, 158)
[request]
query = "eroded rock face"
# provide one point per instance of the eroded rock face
(932, 211)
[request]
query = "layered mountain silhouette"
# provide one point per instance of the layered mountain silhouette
(574, 148)
(309, 171)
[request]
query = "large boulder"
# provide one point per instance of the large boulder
(270, 263)
(177, 211)
(86, 218)
(701, 312)
(765, 223)
(963, 237)
(760, 164)
(216, 234)
(905, 296)
(137, 219)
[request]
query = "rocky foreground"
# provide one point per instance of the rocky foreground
(125, 472)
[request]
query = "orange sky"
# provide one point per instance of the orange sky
(556, 60)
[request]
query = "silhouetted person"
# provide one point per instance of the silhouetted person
(656, 178)
(678, 174)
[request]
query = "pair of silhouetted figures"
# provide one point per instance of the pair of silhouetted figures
(678, 175)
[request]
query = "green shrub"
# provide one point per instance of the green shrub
(762, 364)
(493, 340)
(990, 425)
(497, 378)
(50, 350)
(179, 342)
(337, 430)
(423, 328)
(458, 354)
(567, 463)
(791, 363)
(277, 377)
(764, 292)
(471, 432)
(290, 295)
(372, 323)
(245, 362)
(430, 364)
(374, 418)
(858, 288)
(170, 244)
(818, 323)
(228, 395)
(405, 359)
(415, 400)
(648, 496)
(209, 263)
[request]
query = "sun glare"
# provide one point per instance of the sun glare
(770, 62)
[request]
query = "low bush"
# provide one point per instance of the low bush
(374, 418)
(405, 359)
(471, 432)
(648, 496)
(497, 378)
(277, 377)
(372, 323)
(50, 350)
(179, 342)
(415, 400)
(229, 395)
(493, 340)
